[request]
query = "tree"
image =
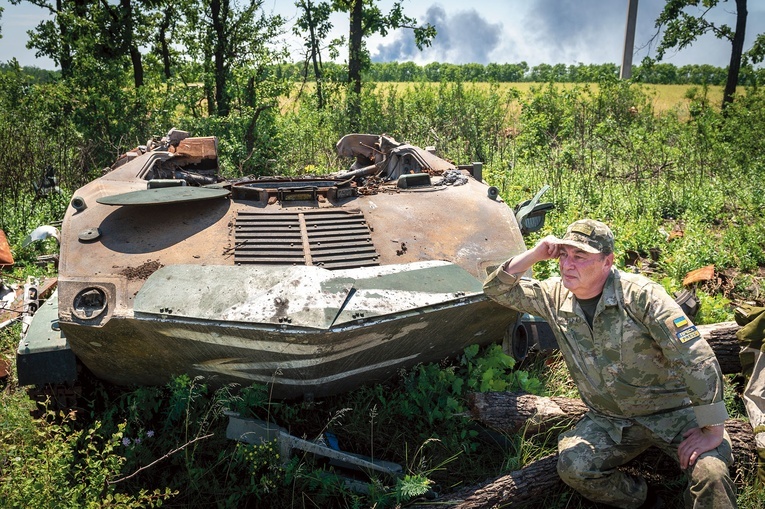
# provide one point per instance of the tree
(227, 40)
(681, 29)
(166, 22)
(120, 39)
(314, 21)
(83, 29)
(57, 37)
(366, 19)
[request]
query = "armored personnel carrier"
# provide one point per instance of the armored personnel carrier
(312, 284)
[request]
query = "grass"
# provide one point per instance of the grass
(678, 182)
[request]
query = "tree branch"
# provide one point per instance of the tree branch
(160, 459)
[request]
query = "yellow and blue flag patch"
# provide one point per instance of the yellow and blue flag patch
(683, 329)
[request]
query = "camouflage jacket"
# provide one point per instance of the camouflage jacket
(641, 361)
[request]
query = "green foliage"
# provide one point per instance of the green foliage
(412, 486)
(681, 188)
(56, 465)
(713, 309)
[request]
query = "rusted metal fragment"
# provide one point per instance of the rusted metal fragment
(143, 271)
(6, 258)
(5, 368)
(195, 150)
(703, 274)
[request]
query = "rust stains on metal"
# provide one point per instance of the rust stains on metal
(143, 271)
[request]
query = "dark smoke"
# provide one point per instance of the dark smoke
(558, 31)
(463, 37)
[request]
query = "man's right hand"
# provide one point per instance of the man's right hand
(546, 249)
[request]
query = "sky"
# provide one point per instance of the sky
(484, 31)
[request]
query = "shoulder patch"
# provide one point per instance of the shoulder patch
(688, 334)
(682, 328)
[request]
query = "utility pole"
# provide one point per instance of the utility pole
(629, 40)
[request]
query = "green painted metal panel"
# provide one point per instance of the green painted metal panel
(164, 195)
(43, 355)
(299, 296)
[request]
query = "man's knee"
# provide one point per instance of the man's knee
(710, 470)
(574, 465)
(710, 483)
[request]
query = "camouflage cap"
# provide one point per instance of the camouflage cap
(590, 236)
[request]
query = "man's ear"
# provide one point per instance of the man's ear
(609, 261)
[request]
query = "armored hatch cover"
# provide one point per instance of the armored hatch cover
(165, 195)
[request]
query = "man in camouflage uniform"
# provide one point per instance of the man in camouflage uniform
(641, 366)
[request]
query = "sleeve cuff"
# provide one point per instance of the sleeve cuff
(711, 415)
(505, 277)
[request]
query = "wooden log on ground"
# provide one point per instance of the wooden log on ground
(515, 412)
(722, 338)
(532, 482)
(540, 478)
(507, 411)
(511, 412)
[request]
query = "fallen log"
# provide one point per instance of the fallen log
(515, 412)
(722, 338)
(539, 478)
(532, 482)
(511, 412)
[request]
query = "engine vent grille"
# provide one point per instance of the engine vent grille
(330, 239)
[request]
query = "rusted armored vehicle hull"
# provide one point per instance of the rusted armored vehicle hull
(314, 285)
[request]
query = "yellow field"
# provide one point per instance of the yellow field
(664, 97)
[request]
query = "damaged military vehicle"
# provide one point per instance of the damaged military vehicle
(314, 284)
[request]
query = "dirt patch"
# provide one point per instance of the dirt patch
(143, 271)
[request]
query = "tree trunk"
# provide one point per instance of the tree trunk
(511, 412)
(135, 58)
(315, 53)
(126, 12)
(520, 412)
(735, 55)
(723, 341)
(540, 478)
(250, 131)
(219, 11)
(532, 482)
(354, 64)
(65, 59)
(164, 47)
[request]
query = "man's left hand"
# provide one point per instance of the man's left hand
(697, 442)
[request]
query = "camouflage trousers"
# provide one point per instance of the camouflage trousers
(588, 460)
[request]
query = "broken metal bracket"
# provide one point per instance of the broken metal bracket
(256, 431)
